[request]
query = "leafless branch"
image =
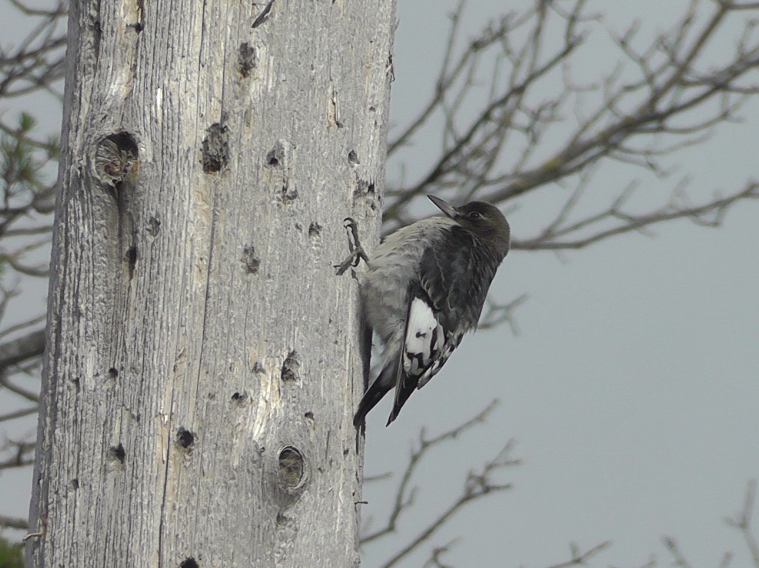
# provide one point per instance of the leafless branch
(13, 523)
(742, 522)
(662, 95)
(16, 454)
(14, 329)
(378, 477)
(476, 485)
(404, 495)
(582, 557)
(709, 214)
(497, 314)
(19, 266)
(679, 558)
(17, 414)
(435, 560)
(22, 349)
(15, 389)
(22, 354)
(36, 63)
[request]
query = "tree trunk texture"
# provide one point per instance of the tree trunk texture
(204, 359)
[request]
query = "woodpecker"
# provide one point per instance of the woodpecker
(424, 289)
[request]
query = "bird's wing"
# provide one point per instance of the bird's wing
(443, 304)
(423, 338)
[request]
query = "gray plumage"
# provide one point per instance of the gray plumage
(424, 289)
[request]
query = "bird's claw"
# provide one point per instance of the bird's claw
(356, 250)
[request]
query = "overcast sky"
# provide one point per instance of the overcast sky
(632, 389)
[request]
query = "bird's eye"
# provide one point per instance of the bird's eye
(474, 215)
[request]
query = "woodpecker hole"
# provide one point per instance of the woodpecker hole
(290, 367)
(215, 151)
(117, 453)
(189, 563)
(364, 187)
(116, 158)
(239, 398)
(247, 59)
(131, 258)
(314, 231)
(113, 373)
(75, 484)
(309, 415)
(249, 259)
(125, 141)
(154, 225)
(291, 467)
(277, 155)
(185, 439)
(352, 158)
(287, 193)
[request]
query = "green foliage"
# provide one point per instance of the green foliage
(19, 165)
(27, 162)
(11, 555)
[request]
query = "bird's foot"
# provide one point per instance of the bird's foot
(356, 250)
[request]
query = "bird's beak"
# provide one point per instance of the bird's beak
(444, 206)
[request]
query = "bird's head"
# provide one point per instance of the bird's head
(483, 219)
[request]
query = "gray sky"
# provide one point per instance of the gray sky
(632, 388)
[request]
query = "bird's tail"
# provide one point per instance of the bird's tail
(402, 392)
(385, 381)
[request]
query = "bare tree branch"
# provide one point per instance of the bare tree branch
(17, 414)
(404, 495)
(37, 61)
(22, 349)
(582, 557)
(35, 64)
(14, 329)
(743, 522)
(477, 484)
(435, 560)
(710, 214)
(13, 523)
(16, 454)
(641, 112)
(497, 314)
(15, 389)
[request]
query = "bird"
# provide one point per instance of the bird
(424, 289)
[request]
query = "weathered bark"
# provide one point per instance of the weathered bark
(203, 358)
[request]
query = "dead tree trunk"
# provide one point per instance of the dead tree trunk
(203, 362)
